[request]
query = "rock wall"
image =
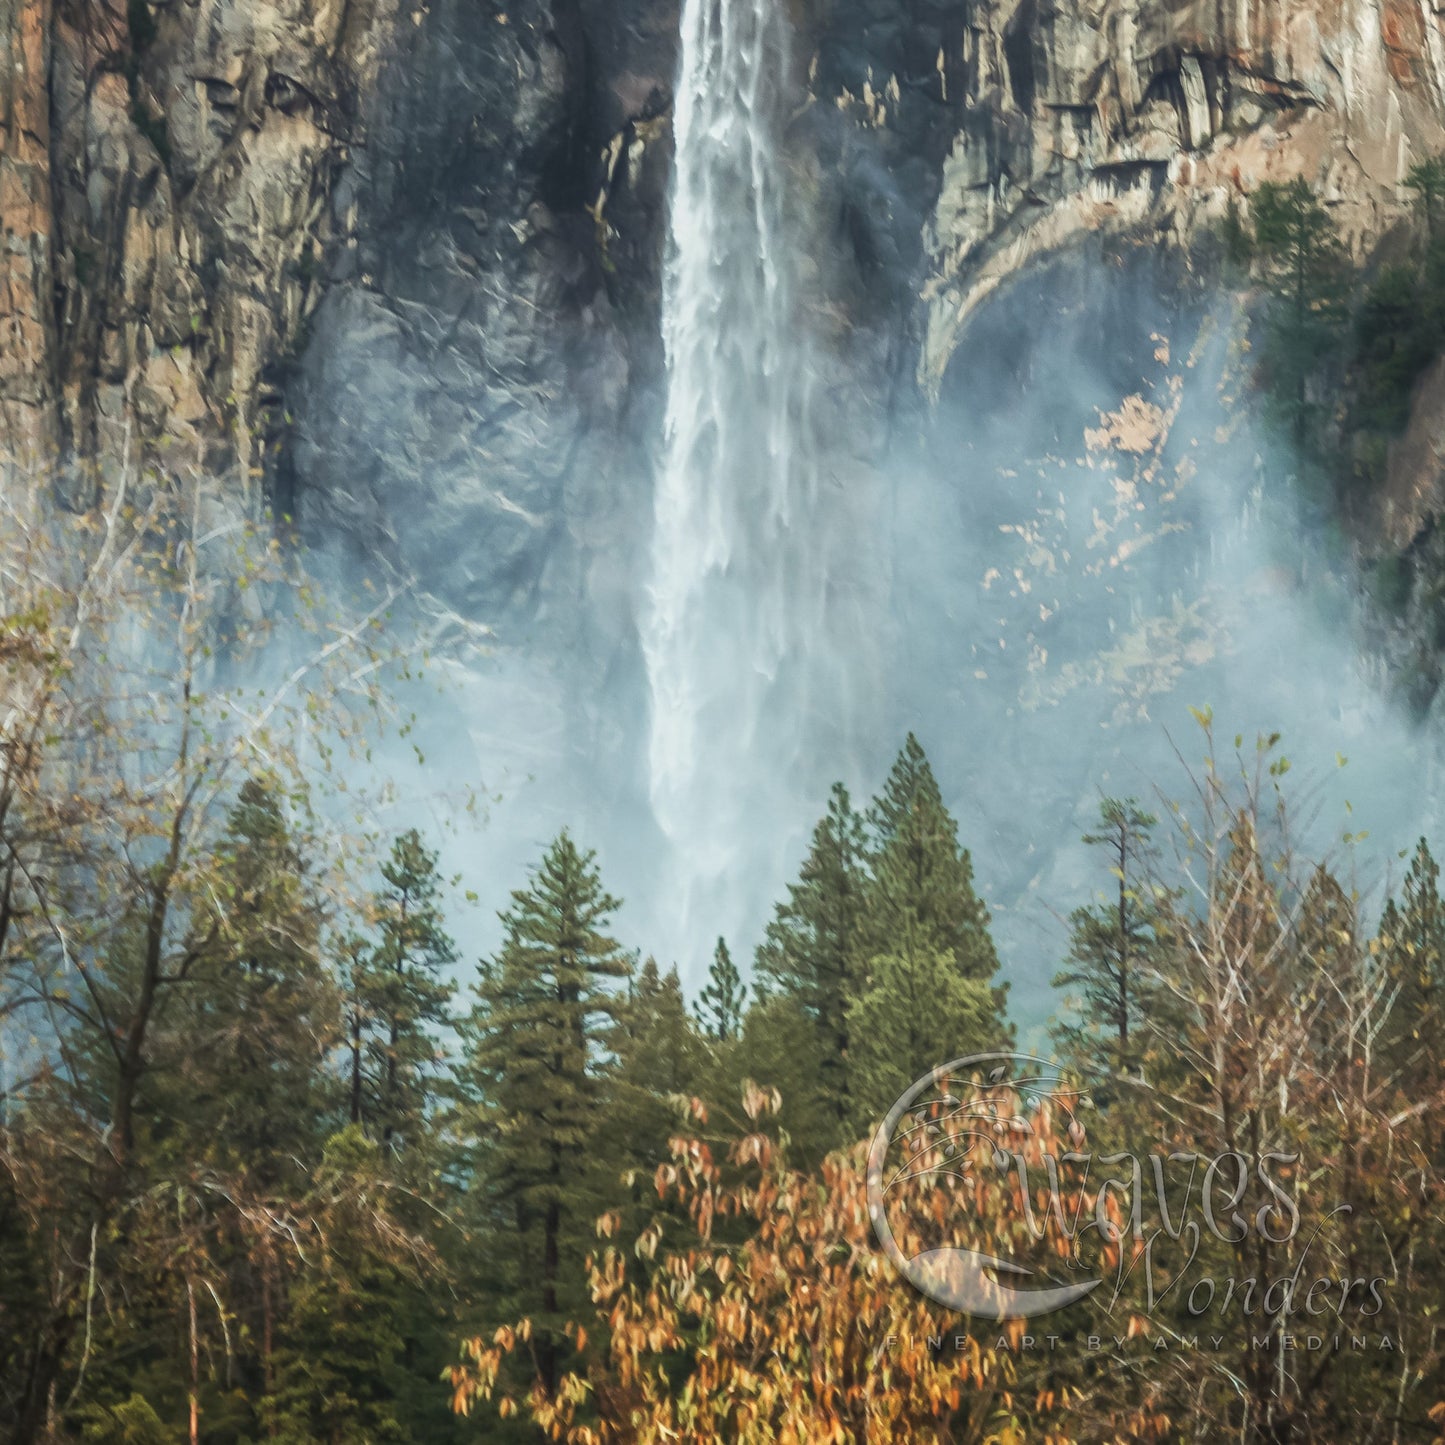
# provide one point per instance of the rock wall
(198, 194)
(395, 263)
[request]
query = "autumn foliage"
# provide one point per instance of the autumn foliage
(762, 1309)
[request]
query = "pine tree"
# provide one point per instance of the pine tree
(810, 952)
(1114, 949)
(721, 1004)
(400, 996)
(922, 886)
(538, 1057)
(662, 1061)
(1295, 238)
(340, 1344)
(263, 1014)
(1427, 179)
(910, 776)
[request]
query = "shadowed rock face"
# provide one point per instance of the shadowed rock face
(198, 196)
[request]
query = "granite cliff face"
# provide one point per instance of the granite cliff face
(394, 267)
(397, 263)
(212, 211)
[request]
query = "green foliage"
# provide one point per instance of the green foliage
(921, 890)
(884, 915)
(661, 1062)
(916, 1010)
(811, 951)
(1399, 331)
(538, 1063)
(400, 997)
(1427, 179)
(722, 1001)
(782, 1046)
(132, 1422)
(1115, 947)
(1304, 268)
(262, 1001)
(1400, 324)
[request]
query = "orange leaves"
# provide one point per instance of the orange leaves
(791, 1327)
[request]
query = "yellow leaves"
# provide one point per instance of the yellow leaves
(799, 1332)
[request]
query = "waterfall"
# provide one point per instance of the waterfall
(735, 616)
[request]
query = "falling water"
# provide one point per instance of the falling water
(739, 580)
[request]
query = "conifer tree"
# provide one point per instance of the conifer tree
(1427, 179)
(915, 1012)
(264, 1013)
(400, 996)
(721, 1003)
(1295, 238)
(910, 776)
(662, 1061)
(1114, 949)
(922, 886)
(811, 950)
(539, 1053)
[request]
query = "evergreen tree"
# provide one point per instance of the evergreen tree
(263, 1013)
(340, 1345)
(1304, 268)
(539, 1053)
(922, 885)
(662, 1062)
(1114, 950)
(811, 950)
(400, 997)
(910, 777)
(721, 1004)
(916, 1011)
(1427, 179)
(1400, 327)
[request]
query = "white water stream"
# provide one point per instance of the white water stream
(736, 609)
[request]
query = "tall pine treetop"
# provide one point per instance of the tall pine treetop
(910, 779)
(720, 1005)
(922, 890)
(540, 1053)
